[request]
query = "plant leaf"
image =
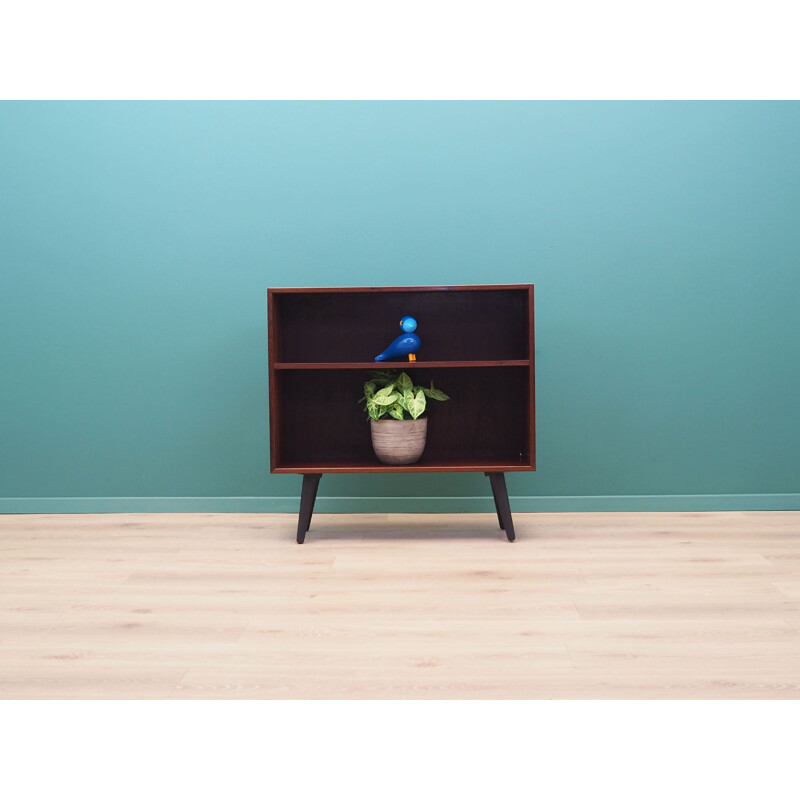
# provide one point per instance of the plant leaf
(417, 404)
(374, 410)
(404, 382)
(369, 388)
(388, 400)
(396, 411)
(436, 394)
(382, 377)
(386, 391)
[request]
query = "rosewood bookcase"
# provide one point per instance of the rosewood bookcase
(477, 344)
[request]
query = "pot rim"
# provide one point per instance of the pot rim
(392, 419)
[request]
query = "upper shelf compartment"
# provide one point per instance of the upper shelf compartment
(353, 325)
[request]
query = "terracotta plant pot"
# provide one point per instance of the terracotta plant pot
(399, 441)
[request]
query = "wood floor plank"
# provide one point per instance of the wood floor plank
(606, 605)
(74, 679)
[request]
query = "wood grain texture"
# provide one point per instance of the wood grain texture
(367, 289)
(611, 605)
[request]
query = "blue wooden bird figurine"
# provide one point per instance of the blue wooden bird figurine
(407, 344)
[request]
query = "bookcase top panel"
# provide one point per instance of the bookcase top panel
(464, 288)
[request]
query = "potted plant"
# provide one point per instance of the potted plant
(395, 407)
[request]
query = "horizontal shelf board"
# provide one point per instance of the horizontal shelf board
(423, 466)
(396, 364)
(491, 287)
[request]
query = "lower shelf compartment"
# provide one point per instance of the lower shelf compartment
(486, 426)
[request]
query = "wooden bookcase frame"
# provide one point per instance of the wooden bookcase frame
(477, 345)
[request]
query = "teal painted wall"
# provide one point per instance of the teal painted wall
(137, 241)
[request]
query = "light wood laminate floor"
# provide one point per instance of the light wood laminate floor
(593, 605)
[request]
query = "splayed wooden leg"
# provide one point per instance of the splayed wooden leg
(307, 498)
(498, 481)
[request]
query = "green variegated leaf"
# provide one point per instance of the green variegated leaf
(369, 388)
(404, 382)
(417, 404)
(381, 376)
(386, 401)
(401, 401)
(374, 410)
(435, 394)
(396, 411)
(386, 391)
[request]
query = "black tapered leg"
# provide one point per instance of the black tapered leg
(496, 506)
(307, 498)
(498, 481)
